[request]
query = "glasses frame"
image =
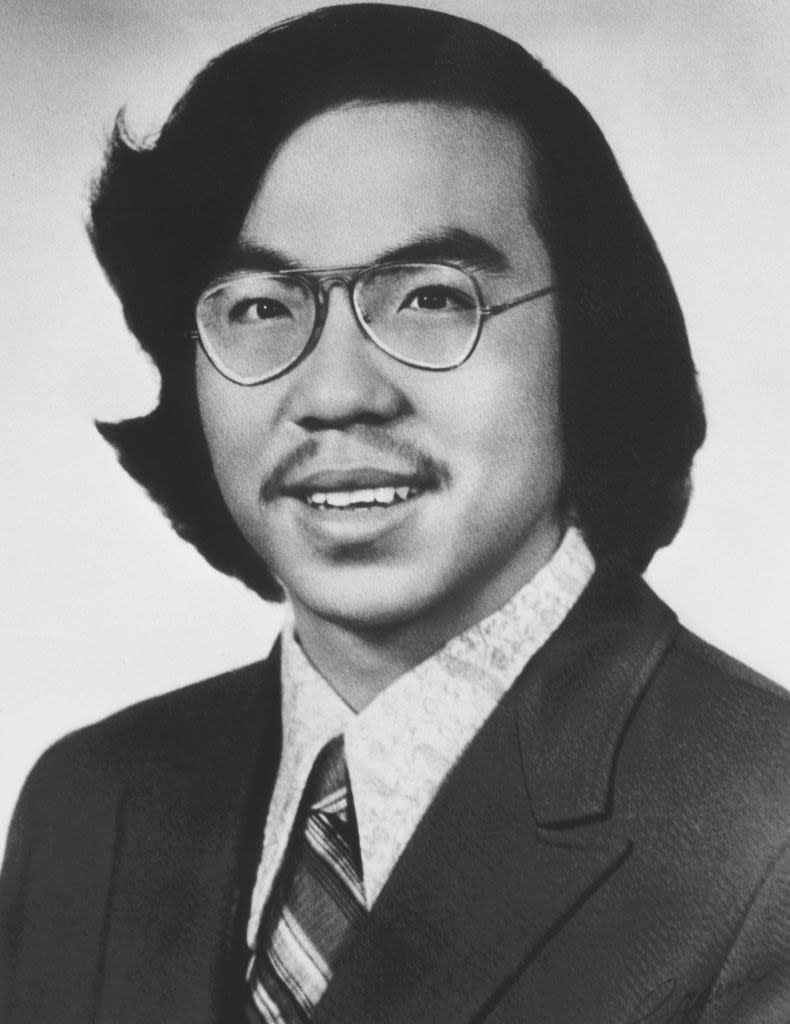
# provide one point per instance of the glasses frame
(320, 282)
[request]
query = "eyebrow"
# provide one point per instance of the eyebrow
(449, 245)
(453, 245)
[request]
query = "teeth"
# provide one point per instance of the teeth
(342, 499)
(363, 498)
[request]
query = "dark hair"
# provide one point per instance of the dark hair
(162, 215)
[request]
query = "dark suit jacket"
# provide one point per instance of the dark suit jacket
(613, 847)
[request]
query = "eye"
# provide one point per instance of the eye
(255, 310)
(436, 298)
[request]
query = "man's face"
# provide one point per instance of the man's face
(480, 445)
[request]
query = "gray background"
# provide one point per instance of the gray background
(102, 605)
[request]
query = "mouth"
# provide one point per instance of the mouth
(362, 499)
(343, 506)
(357, 488)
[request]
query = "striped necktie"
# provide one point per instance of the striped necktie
(317, 903)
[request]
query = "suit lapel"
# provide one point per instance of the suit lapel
(581, 690)
(521, 834)
(185, 858)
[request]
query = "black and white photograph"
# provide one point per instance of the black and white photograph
(395, 554)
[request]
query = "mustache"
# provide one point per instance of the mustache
(377, 442)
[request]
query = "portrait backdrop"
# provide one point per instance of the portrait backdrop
(102, 604)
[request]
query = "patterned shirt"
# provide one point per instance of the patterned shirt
(402, 745)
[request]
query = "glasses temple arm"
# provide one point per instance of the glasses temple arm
(502, 306)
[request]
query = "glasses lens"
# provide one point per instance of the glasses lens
(425, 314)
(256, 326)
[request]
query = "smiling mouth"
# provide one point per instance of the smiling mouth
(361, 499)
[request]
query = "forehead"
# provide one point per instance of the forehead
(360, 180)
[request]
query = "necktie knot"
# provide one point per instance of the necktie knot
(326, 789)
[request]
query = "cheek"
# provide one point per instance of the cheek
(212, 402)
(507, 413)
(232, 424)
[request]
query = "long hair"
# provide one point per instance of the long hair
(163, 213)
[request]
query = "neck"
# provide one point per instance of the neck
(360, 660)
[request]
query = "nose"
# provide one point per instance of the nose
(345, 378)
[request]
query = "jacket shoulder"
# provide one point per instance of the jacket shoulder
(732, 726)
(726, 725)
(168, 728)
(706, 682)
(728, 671)
(73, 807)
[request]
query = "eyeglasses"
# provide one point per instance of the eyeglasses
(256, 326)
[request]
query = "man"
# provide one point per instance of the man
(424, 373)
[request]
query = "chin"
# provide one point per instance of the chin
(371, 597)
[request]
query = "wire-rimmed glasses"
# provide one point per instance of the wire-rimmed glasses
(254, 326)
